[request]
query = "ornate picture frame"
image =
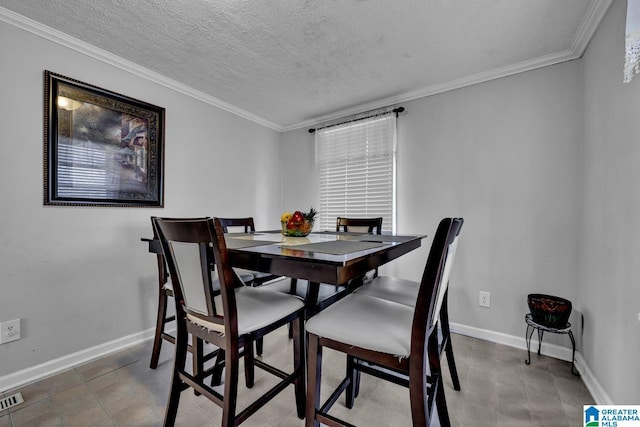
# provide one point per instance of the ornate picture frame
(100, 148)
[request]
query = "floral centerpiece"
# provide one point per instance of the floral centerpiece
(298, 224)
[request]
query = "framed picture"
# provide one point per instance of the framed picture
(100, 148)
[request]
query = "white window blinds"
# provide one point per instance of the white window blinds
(356, 163)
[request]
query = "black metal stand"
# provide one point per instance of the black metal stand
(531, 326)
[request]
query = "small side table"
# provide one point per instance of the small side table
(531, 326)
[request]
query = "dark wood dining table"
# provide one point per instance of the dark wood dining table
(334, 258)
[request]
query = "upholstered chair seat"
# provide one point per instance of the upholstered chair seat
(256, 309)
(395, 289)
(390, 329)
(367, 322)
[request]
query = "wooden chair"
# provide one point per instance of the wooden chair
(247, 226)
(361, 225)
(165, 291)
(246, 314)
(400, 338)
(406, 292)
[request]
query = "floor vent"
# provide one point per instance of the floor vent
(11, 401)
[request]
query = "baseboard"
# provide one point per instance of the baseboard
(552, 350)
(563, 353)
(52, 367)
(600, 396)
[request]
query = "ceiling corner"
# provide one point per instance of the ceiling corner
(589, 26)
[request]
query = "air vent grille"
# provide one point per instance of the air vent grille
(11, 401)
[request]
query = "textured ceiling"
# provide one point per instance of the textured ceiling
(290, 63)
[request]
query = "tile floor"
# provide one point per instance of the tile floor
(498, 389)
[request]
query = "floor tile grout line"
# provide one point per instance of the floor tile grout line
(99, 401)
(495, 358)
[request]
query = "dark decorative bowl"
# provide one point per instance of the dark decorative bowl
(549, 311)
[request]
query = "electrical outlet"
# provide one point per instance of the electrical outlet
(9, 331)
(485, 299)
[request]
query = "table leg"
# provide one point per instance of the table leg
(313, 291)
(312, 295)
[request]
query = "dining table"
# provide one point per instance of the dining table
(327, 257)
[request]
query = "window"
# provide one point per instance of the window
(356, 163)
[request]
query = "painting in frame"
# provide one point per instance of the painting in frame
(100, 148)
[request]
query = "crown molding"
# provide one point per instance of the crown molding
(589, 26)
(486, 76)
(80, 46)
(583, 36)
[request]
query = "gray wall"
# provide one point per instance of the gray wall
(507, 156)
(609, 289)
(80, 277)
(543, 167)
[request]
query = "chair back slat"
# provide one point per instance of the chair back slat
(246, 223)
(444, 281)
(188, 261)
(359, 225)
(229, 280)
(163, 271)
(190, 247)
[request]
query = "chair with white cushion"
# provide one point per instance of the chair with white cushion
(361, 225)
(243, 315)
(406, 292)
(395, 336)
(165, 291)
(246, 226)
